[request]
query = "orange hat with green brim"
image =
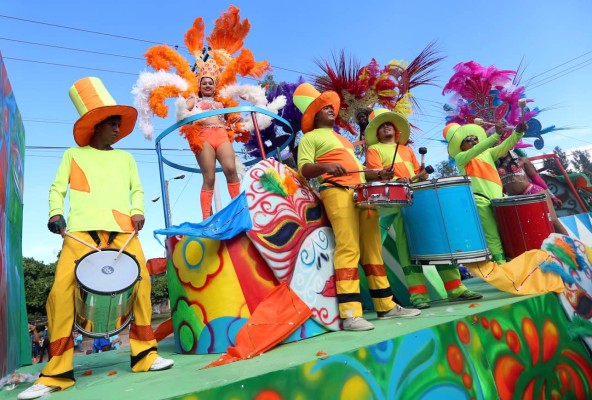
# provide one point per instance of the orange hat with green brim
(94, 105)
(455, 134)
(379, 117)
(310, 101)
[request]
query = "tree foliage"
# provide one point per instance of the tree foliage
(551, 165)
(38, 281)
(581, 162)
(444, 170)
(160, 289)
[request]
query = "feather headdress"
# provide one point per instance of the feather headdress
(492, 95)
(364, 88)
(225, 40)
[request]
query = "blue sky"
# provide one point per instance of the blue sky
(553, 40)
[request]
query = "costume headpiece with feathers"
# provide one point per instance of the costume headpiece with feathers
(492, 95)
(175, 78)
(362, 89)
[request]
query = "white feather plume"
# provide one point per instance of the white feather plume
(147, 82)
(256, 96)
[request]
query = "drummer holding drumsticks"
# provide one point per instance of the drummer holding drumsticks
(474, 155)
(103, 182)
(324, 154)
(387, 133)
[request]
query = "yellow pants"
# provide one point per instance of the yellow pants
(357, 240)
(60, 312)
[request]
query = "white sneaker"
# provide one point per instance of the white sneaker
(161, 363)
(35, 391)
(357, 324)
(398, 311)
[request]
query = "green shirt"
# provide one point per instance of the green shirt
(105, 190)
(479, 163)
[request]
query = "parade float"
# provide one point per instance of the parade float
(254, 314)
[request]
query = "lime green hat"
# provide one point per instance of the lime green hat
(455, 134)
(379, 117)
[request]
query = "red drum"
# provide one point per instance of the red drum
(523, 222)
(383, 194)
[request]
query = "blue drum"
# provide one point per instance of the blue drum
(442, 224)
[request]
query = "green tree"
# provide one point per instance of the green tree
(38, 281)
(444, 169)
(581, 162)
(551, 165)
(160, 289)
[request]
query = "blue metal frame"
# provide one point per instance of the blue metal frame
(162, 160)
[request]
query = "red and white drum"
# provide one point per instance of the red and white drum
(383, 195)
(523, 222)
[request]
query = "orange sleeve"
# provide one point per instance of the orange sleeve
(373, 160)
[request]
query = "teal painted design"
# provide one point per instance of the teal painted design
(15, 349)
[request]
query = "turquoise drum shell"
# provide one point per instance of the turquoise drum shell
(443, 225)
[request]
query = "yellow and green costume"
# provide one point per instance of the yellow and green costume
(479, 163)
(102, 183)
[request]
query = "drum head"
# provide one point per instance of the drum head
(441, 182)
(101, 273)
(521, 199)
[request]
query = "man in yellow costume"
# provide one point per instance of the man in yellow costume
(103, 182)
(324, 154)
(387, 134)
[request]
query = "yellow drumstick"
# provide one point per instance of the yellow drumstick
(129, 239)
(81, 241)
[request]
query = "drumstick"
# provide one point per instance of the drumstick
(394, 157)
(480, 121)
(423, 151)
(129, 239)
(429, 169)
(522, 105)
(81, 241)
(362, 170)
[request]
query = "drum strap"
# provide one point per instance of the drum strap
(112, 236)
(95, 236)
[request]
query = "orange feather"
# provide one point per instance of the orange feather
(194, 37)
(157, 98)
(229, 32)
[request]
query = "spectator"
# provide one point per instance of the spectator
(44, 344)
(34, 340)
(115, 342)
(101, 344)
(77, 337)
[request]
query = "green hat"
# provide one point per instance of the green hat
(379, 117)
(455, 134)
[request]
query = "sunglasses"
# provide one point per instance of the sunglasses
(469, 139)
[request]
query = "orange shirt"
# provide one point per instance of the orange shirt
(380, 155)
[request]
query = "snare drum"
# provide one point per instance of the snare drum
(105, 292)
(443, 225)
(523, 222)
(383, 194)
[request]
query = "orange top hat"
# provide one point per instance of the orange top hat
(310, 101)
(94, 105)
